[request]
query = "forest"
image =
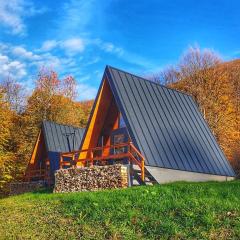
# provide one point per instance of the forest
(52, 99)
(213, 83)
(215, 87)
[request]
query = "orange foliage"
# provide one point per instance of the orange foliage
(215, 86)
(52, 99)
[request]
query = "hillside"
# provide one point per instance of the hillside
(174, 211)
(233, 64)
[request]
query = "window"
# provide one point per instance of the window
(121, 122)
(117, 139)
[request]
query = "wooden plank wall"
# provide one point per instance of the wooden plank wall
(104, 119)
(39, 153)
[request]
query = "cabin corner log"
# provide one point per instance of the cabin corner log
(91, 178)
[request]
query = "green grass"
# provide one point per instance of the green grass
(174, 211)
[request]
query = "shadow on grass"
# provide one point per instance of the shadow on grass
(45, 190)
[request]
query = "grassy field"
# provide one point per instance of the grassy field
(174, 211)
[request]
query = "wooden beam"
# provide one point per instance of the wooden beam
(39, 154)
(33, 157)
(110, 123)
(97, 120)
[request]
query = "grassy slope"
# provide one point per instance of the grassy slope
(174, 211)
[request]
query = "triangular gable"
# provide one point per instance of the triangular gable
(39, 152)
(104, 109)
(51, 141)
(164, 124)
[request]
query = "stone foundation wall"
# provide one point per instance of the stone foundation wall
(91, 178)
(23, 187)
(164, 175)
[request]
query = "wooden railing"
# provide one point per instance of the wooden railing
(40, 174)
(98, 154)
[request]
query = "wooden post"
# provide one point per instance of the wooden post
(73, 161)
(61, 160)
(143, 170)
(91, 158)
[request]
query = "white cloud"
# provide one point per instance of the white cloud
(48, 60)
(49, 45)
(13, 13)
(39, 60)
(86, 92)
(73, 45)
(11, 16)
(3, 59)
(23, 53)
(77, 15)
(17, 61)
(11, 68)
(3, 47)
(92, 61)
(21, 64)
(107, 47)
(122, 53)
(111, 48)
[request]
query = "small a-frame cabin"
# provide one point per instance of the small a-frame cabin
(53, 139)
(159, 131)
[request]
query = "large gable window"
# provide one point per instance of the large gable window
(121, 122)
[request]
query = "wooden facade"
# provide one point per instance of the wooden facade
(139, 123)
(99, 146)
(52, 140)
(39, 165)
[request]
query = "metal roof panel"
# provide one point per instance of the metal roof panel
(166, 125)
(55, 136)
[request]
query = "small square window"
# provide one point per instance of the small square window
(117, 140)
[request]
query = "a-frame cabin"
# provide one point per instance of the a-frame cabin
(161, 130)
(53, 139)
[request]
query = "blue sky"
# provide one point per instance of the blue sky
(79, 37)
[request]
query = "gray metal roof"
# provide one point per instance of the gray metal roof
(166, 125)
(55, 136)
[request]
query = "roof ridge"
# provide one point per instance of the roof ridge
(147, 80)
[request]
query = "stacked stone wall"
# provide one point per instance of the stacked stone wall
(91, 178)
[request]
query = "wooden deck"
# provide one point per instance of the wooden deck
(37, 175)
(101, 155)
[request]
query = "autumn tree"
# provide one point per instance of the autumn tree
(69, 88)
(52, 99)
(15, 98)
(86, 107)
(13, 94)
(233, 70)
(6, 156)
(203, 75)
